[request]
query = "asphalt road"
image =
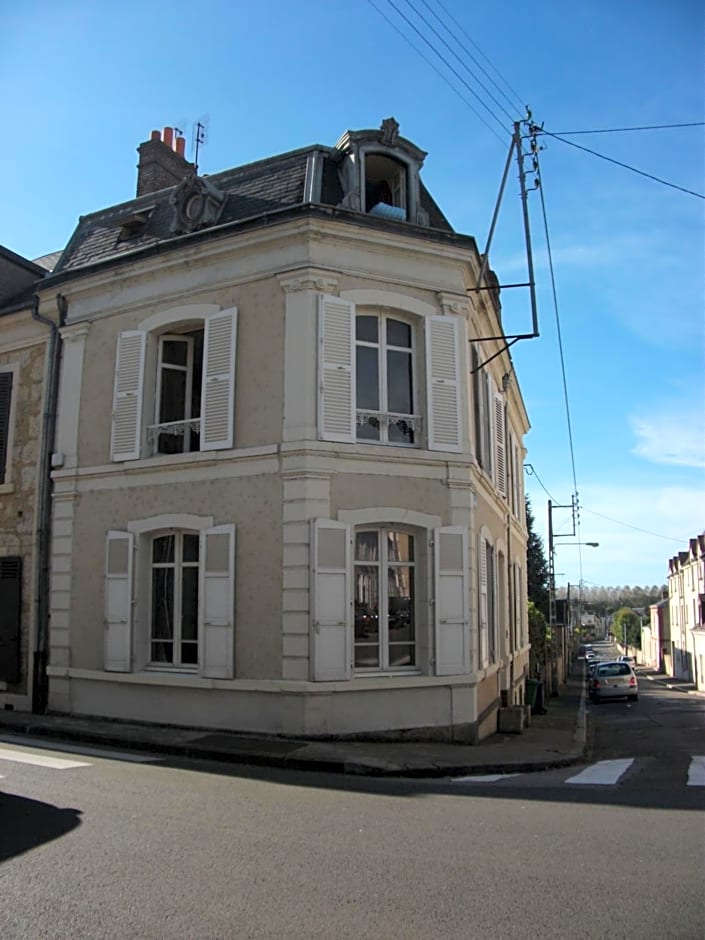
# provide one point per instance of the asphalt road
(99, 847)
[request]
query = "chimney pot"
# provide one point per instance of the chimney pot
(168, 137)
(181, 146)
(155, 135)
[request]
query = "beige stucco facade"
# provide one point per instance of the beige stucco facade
(289, 489)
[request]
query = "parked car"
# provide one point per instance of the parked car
(628, 659)
(613, 680)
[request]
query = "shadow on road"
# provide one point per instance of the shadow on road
(25, 824)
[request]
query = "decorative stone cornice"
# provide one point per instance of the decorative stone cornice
(452, 304)
(70, 334)
(309, 279)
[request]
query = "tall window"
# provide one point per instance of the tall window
(385, 380)
(385, 623)
(174, 602)
(5, 404)
(178, 399)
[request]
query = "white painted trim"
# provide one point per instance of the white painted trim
(372, 297)
(175, 315)
(173, 520)
(385, 514)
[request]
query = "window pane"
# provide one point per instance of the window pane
(366, 657)
(368, 430)
(402, 655)
(367, 329)
(172, 406)
(400, 546)
(367, 374)
(366, 546)
(175, 352)
(189, 604)
(398, 334)
(190, 548)
(163, 549)
(162, 652)
(366, 603)
(401, 604)
(399, 383)
(189, 654)
(163, 603)
(401, 432)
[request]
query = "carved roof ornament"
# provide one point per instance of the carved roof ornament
(197, 204)
(390, 132)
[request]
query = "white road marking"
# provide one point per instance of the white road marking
(604, 772)
(83, 749)
(482, 778)
(39, 760)
(696, 771)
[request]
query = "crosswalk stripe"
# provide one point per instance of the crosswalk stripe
(603, 772)
(696, 771)
(40, 760)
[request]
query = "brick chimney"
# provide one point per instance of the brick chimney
(162, 162)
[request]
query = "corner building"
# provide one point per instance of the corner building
(288, 470)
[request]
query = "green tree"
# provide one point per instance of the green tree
(536, 566)
(627, 623)
(538, 634)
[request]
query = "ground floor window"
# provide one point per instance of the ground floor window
(384, 594)
(174, 599)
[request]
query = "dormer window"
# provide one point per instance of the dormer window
(385, 187)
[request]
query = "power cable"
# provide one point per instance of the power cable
(510, 117)
(617, 130)
(626, 166)
(493, 67)
(627, 525)
(532, 473)
(445, 61)
(438, 72)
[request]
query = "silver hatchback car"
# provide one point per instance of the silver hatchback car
(613, 680)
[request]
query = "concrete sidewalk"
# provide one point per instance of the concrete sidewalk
(669, 682)
(554, 739)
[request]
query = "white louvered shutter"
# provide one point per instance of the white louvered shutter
(443, 385)
(218, 387)
(482, 568)
(332, 600)
(452, 611)
(217, 602)
(127, 396)
(117, 649)
(336, 369)
(500, 446)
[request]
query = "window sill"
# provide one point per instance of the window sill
(7, 488)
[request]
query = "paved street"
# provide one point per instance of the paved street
(126, 846)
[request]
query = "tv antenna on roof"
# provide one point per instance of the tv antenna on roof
(199, 136)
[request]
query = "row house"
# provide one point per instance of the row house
(28, 372)
(287, 468)
(686, 603)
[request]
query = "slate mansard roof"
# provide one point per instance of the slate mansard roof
(256, 193)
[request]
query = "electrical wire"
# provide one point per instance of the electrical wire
(627, 525)
(438, 72)
(510, 117)
(617, 130)
(445, 61)
(491, 65)
(532, 472)
(626, 166)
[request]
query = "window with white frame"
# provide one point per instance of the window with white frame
(488, 602)
(385, 599)
(174, 600)
(369, 368)
(385, 186)
(384, 373)
(169, 598)
(189, 404)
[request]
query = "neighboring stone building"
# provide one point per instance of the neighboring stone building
(686, 599)
(25, 350)
(293, 351)
(656, 638)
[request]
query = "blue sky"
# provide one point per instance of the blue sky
(84, 83)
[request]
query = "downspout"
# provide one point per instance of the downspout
(40, 685)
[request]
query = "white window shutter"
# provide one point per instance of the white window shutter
(336, 369)
(127, 396)
(117, 651)
(443, 384)
(482, 568)
(332, 600)
(452, 617)
(217, 602)
(218, 384)
(500, 446)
